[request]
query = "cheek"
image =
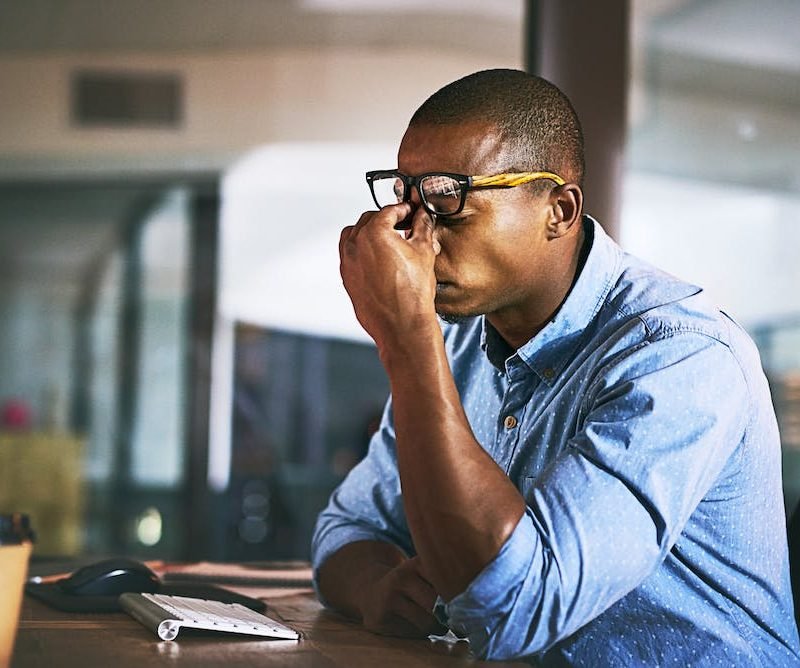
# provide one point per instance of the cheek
(475, 259)
(517, 264)
(503, 249)
(460, 247)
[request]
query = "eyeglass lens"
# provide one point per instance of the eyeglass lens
(388, 190)
(441, 194)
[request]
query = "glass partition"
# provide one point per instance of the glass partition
(304, 408)
(712, 189)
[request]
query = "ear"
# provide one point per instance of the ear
(566, 209)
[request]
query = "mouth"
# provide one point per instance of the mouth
(445, 291)
(445, 283)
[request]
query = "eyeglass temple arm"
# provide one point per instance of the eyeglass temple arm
(513, 179)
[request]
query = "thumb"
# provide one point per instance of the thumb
(421, 230)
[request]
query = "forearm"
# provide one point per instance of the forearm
(460, 506)
(350, 571)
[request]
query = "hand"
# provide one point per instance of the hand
(401, 603)
(389, 274)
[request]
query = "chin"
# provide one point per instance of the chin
(448, 308)
(452, 315)
(452, 318)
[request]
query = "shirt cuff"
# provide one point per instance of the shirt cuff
(477, 610)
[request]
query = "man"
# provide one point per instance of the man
(584, 468)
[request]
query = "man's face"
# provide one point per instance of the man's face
(493, 253)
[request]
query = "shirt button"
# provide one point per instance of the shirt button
(510, 422)
(548, 373)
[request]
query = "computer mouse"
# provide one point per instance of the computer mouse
(111, 577)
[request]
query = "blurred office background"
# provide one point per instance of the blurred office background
(181, 375)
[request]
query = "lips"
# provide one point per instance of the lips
(443, 282)
(443, 286)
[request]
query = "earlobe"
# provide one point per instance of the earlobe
(566, 209)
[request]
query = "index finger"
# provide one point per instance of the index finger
(393, 215)
(415, 564)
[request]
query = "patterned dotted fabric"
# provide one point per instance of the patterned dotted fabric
(639, 428)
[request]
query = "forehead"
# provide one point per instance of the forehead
(463, 148)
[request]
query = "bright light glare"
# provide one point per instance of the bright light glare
(149, 527)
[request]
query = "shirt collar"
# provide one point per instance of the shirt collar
(548, 352)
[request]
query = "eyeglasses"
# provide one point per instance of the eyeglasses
(443, 193)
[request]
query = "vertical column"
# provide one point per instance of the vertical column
(202, 290)
(582, 46)
(128, 351)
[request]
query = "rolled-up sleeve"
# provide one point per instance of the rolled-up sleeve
(490, 600)
(367, 505)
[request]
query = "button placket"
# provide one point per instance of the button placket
(508, 421)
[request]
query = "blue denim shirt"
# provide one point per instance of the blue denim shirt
(645, 444)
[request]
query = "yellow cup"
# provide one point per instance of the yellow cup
(13, 571)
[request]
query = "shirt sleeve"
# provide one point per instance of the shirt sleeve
(660, 422)
(367, 505)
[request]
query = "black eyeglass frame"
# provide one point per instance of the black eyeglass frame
(466, 183)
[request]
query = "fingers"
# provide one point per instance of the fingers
(344, 237)
(420, 618)
(417, 597)
(403, 604)
(421, 229)
(395, 217)
(350, 232)
(403, 617)
(416, 585)
(389, 216)
(387, 220)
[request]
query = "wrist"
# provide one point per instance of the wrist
(409, 346)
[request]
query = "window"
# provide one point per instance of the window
(712, 190)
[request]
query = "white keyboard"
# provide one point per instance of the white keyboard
(165, 615)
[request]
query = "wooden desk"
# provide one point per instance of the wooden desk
(48, 637)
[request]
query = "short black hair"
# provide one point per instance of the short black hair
(537, 124)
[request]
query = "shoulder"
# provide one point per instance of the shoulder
(647, 306)
(662, 304)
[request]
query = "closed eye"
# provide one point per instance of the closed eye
(452, 221)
